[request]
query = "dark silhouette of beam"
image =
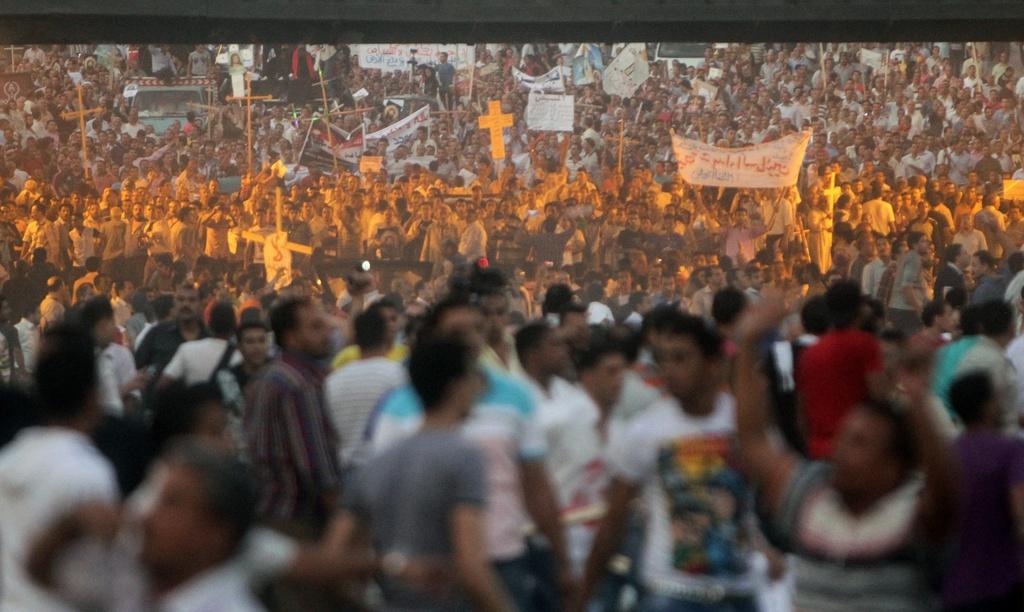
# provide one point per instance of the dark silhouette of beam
(24, 21)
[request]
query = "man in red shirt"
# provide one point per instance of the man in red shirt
(839, 371)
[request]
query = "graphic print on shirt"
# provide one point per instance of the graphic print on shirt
(706, 500)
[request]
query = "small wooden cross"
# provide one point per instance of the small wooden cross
(12, 49)
(495, 121)
(81, 114)
(279, 223)
(832, 193)
(248, 99)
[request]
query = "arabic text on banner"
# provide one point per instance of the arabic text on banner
(763, 166)
(395, 58)
(550, 81)
(403, 131)
(627, 72)
(550, 112)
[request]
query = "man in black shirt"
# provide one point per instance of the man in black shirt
(161, 342)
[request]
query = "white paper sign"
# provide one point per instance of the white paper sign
(768, 165)
(627, 72)
(550, 112)
(705, 90)
(871, 59)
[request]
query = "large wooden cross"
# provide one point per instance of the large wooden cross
(248, 98)
(81, 114)
(294, 247)
(495, 122)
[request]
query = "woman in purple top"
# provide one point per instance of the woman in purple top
(986, 572)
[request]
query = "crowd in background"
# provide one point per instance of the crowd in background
(564, 381)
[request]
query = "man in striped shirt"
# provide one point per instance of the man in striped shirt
(291, 440)
(353, 391)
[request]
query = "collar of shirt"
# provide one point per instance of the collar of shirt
(304, 364)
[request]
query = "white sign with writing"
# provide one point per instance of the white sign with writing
(550, 112)
(627, 72)
(395, 58)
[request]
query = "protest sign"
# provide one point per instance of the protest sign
(872, 59)
(388, 57)
(370, 163)
(767, 165)
(550, 81)
(705, 90)
(550, 112)
(403, 131)
(586, 63)
(627, 72)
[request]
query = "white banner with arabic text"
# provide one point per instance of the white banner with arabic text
(402, 132)
(551, 80)
(764, 166)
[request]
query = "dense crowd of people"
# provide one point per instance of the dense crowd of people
(563, 380)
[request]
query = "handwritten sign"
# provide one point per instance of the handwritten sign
(705, 90)
(769, 165)
(370, 163)
(627, 72)
(550, 112)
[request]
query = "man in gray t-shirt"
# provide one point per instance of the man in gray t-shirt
(908, 294)
(408, 496)
(423, 500)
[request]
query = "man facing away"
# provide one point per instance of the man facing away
(46, 471)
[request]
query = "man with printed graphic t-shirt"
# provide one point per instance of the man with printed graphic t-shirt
(679, 454)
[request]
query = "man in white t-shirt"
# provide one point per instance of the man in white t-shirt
(195, 361)
(679, 454)
(47, 471)
(575, 424)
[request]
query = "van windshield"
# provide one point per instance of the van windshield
(164, 102)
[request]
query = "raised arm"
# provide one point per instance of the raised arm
(768, 465)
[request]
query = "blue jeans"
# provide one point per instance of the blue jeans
(661, 603)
